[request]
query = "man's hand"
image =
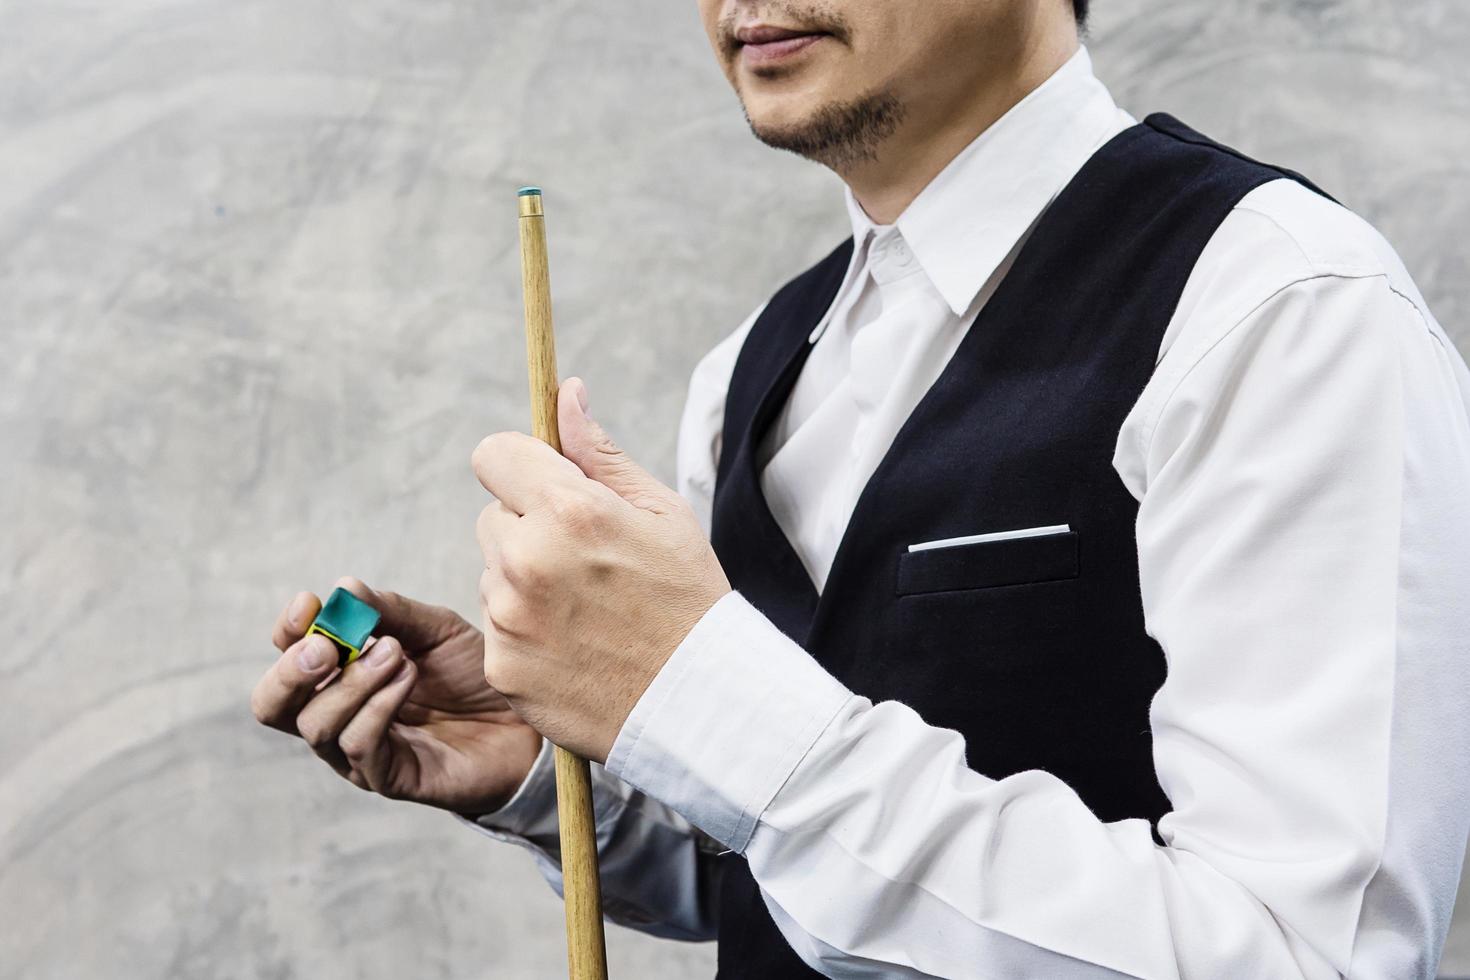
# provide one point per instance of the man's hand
(412, 719)
(594, 573)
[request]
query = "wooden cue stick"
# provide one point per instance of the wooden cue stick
(581, 888)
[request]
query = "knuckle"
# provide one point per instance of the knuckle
(510, 554)
(566, 507)
(493, 664)
(500, 672)
(491, 448)
(354, 748)
(258, 708)
(505, 610)
(313, 733)
(578, 511)
(520, 565)
(485, 523)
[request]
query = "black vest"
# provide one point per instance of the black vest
(1032, 648)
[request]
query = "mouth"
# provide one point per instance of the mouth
(763, 45)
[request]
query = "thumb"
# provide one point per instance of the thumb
(585, 443)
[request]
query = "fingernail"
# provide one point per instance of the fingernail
(297, 610)
(581, 390)
(403, 671)
(313, 653)
(380, 654)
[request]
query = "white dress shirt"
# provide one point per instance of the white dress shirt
(1301, 458)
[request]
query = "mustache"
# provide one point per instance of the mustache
(817, 18)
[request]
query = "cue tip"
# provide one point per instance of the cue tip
(529, 199)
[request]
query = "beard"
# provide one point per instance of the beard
(839, 135)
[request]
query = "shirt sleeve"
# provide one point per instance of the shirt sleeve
(658, 872)
(1304, 551)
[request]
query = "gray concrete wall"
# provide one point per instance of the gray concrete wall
(259, 299)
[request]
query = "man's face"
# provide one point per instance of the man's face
(832, 79)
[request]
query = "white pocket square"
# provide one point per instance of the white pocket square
(1023, 532)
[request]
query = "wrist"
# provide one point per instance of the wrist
(620, 703)
(527, 808)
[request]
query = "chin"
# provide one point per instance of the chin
(766, 119)
(782, 105)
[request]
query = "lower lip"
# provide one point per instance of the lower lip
(773, 51)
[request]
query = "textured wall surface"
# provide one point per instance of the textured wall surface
(259, 300)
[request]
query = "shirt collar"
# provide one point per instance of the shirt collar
(967, 219)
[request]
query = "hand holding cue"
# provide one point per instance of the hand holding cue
(586, 953)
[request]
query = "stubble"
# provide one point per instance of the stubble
(839, 135)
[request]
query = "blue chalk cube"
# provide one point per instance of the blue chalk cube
(348, 622)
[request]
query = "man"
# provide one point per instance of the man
(1090, 576)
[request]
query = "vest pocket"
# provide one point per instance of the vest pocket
(988, 564)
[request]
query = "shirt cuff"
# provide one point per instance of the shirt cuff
(731, 714)
(530, 813)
